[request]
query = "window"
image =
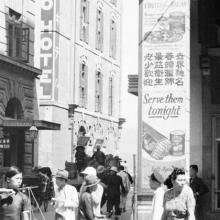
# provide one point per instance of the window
(83, 84)
(99, 30)
(98, 91)
(18, 37)
(112, 39)
(84, 21)
(110, 96)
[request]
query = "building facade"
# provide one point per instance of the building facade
(97, 70)
(19, 108)
(204, 104)
(79, 88)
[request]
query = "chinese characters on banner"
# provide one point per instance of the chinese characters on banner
(165, 79)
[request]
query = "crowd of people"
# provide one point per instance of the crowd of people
(174, 198)
(103, 192)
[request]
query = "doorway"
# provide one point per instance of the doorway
(15, 154)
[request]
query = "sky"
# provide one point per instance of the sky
(129, 102)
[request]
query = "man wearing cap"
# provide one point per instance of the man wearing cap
(66, 198)
(156, 183)
(86, 204)
(96, 194)
(115, 187)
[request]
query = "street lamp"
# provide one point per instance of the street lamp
(33, 134)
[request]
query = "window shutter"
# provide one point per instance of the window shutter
(110, 95)
(110, 43)
(18, 41)
(80, 84)
(100, 92)
(87, 23)
(102, 32)
(87, 34)
(87, 11)
(86, 86)
(10, 39)
(96, 91)
(25, 44)
(114, 40)
(97, 29)
(81, 21)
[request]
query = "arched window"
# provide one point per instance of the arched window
(98, 90)
(99, 29)
(84, 21)
(83, 84)
(113, 38)
(110, 96)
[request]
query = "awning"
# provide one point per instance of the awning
(27, 123)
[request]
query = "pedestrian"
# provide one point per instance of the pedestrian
(99, 156)
(14, 205)
(198, 187)
(156, 184)
(115, 187)
(127, 186)
(66, 198)
(103, 174)
(96, 193)
(80, 157)
(86, 204)
(179, 201)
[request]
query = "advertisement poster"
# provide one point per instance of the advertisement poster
(165, 79)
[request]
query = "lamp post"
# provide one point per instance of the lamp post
(33, 134)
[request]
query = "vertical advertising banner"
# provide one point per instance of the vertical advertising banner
(46, 49)
(164, 96)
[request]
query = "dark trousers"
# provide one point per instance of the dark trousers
(104, 198)
(59, 217)
(114, 201)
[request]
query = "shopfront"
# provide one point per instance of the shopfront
(18, 113)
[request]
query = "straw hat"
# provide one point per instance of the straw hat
(100, 169)
(91, 180)
(63, 174)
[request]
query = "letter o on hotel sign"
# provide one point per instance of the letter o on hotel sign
(46, 43)
(46, 4)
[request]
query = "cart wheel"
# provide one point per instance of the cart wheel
(45, 202)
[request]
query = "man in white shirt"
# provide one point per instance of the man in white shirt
(156, 183)
(96, 194)
(66, 198)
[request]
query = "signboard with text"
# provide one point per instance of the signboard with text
(164, 85)
(4, 143)
(49, 49)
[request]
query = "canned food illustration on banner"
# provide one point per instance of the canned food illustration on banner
(177, 139)
(158, 146)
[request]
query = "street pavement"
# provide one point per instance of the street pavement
(49, 215)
